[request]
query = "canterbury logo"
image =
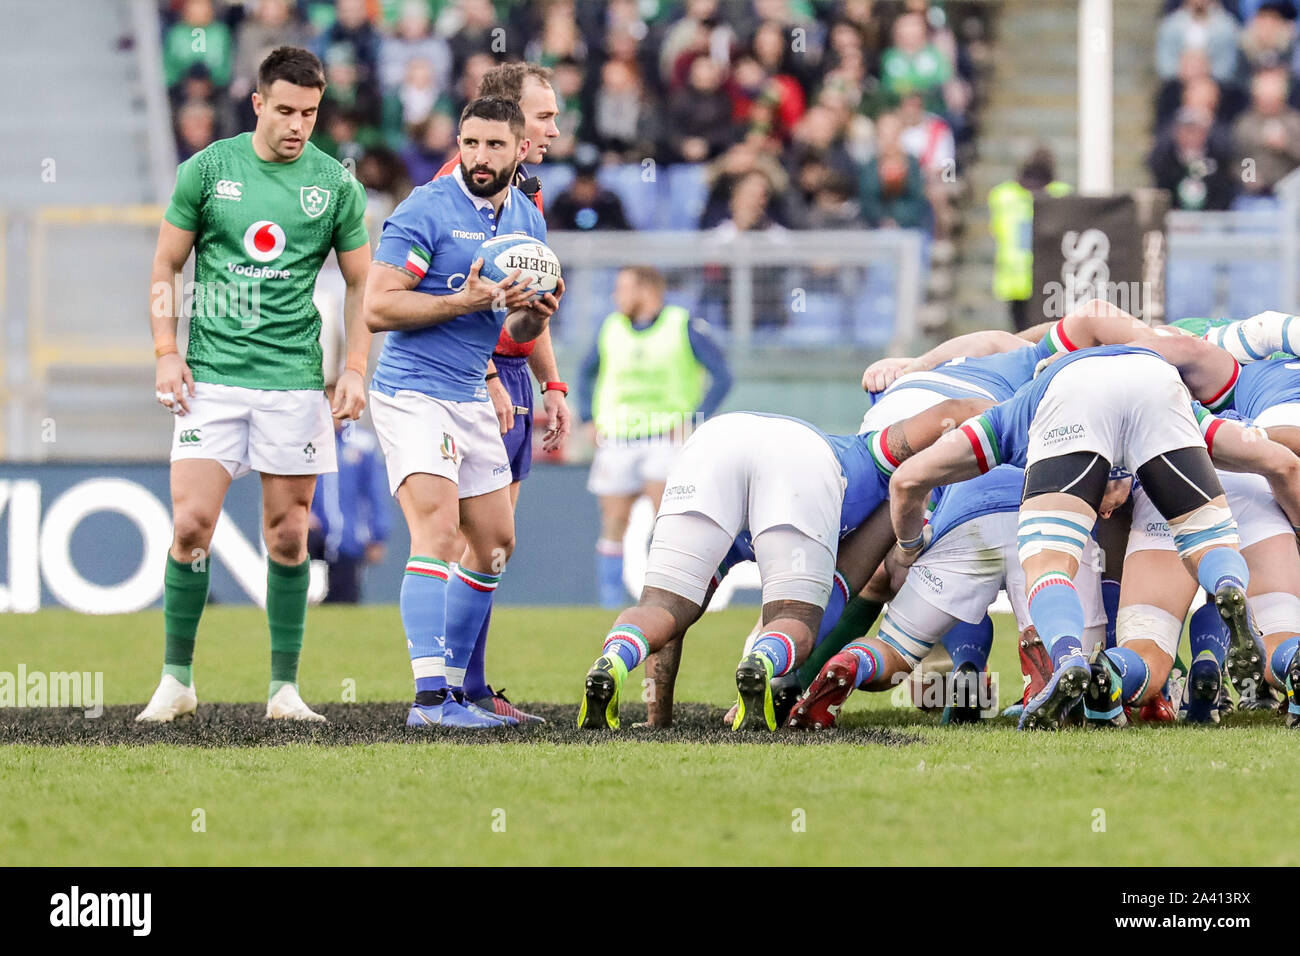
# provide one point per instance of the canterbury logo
(229, 189)
(190, 436)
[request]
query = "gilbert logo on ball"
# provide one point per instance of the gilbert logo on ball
(502, 255)
(264, 240)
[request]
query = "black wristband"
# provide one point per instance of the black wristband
(491, 375)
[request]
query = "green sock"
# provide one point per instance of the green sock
(185, 592)
(286, 613)
(859, 614)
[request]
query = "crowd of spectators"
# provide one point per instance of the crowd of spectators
(1227, 123)
(799, 113)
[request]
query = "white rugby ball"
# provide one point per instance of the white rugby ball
(502, 255)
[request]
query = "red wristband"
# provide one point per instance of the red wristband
(561, 387)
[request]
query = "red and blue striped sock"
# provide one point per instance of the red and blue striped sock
(423, 606)
(627, 643)
(1055, 609)
(469, 599)
(867, 658)
(778, 648)
(838, 600)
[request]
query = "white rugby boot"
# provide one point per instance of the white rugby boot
(172, 699)
(286, 704)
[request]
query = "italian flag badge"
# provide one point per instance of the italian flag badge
(417, 261)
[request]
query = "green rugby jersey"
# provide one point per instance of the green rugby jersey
(262, 231)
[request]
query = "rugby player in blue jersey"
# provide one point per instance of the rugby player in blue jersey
(775, 490)
(447, 464)
(1137, 415)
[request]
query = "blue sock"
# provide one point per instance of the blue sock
(1220, 566)
(423, 605)
(1058, 616)
(970, 643)
(1281, 659)
(626, 642)
(476, 685)
(609, 574)
(1208, 634)
(834, 607)
(778, 648)
(1110, 600)
(1133, 673)
(868, 661)
(469, 599)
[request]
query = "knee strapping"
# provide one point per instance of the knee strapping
(1276, 613)
(1061, 531)
(1208, 526)
(1146, 622)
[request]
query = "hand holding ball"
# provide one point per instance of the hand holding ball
(532, 258)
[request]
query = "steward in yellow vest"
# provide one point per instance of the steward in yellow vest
(1011, 221)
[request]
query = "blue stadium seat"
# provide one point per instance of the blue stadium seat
(687, 191)
(1189, 288)
(555, 178)
(640, 199)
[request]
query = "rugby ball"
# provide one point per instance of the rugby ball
(502, 255)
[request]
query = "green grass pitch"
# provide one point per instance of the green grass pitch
(892, 788)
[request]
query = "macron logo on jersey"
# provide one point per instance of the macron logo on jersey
(229, 189)
(462, 234)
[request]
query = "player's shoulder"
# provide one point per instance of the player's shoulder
(318, 164)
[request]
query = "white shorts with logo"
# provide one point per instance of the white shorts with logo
(460, 441)
(1126, 408)
(900, 403)
(746, 471)
(959, 576)
(1287, 413)
(1249, 498)
(623, 466)
(270, 431)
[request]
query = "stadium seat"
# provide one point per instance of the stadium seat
(555, 178)
(687, 191)
(641, 199)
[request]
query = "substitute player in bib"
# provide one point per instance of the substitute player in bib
(508, 384)
(447, 465)
(260, 211)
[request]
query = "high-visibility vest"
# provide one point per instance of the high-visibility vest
(1011, 220)
(649, 381)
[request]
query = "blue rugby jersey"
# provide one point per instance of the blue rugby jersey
(1261, 385)
(435, 233)
(994, 491)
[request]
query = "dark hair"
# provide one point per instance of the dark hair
(647, 276)
(506, 80)
(497, 109)
(292, 64)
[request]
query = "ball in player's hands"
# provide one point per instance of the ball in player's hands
(537, 264)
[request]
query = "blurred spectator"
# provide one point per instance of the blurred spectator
(429, 146)
(748, 210)
(699, 32)
(724, 174)
(699, 116)
(383, 174)
(415, 98)
(1267, 136)
(271, 25)
(956, 91)
(892, 189)
(914, 65)
(559, 38)
(354, 39)
(861, 16)
(1268, 39)
(567, 80)
(471, 28)
(586, 205)
(1199, 24)
(1011, 221)
(470, 78)
(196, 128)
(771, 47)
(350, 513)
(1194, 71)
(819, 136)
(929, 139)
(198, 38)
(749, 206)
(834, 204)
(414, 39)
(345, 93)
(771, 102)
(1195, 166)
(623, 119)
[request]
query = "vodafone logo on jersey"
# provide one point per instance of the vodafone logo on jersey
(264, 240)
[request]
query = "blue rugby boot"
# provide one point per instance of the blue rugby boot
(1045, 710)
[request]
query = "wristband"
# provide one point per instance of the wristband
(561, 387)
(164, 345)
(356, 363)
(491, 375)
(912, 544)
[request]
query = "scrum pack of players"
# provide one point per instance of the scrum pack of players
(1002, 462)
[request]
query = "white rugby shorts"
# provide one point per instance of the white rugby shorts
(270, 431)
(460, 441)
(1249, 498)
(625, 466)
